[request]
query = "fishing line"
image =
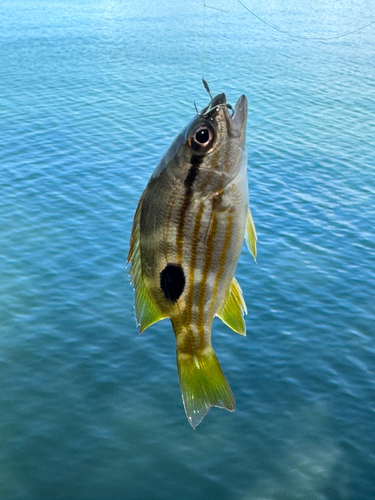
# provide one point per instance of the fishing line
(320, 39)
(203, 50)
(214, 8)
(272, 26)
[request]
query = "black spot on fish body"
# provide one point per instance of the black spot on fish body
(172, 282)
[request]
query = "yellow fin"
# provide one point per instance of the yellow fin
(233, 309)
(251, 234)
(203, 385)
(146, 311)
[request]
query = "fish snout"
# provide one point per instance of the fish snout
(240, 112)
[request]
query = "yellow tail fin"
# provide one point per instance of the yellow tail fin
(203, 385)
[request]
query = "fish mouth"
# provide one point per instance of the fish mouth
(239, 116)
(235, 120)
(217, 102)
(236, 124)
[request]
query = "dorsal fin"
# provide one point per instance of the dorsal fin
(233, 309)
(146, 311)
(251, 234)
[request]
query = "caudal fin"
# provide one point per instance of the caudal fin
(203, 385)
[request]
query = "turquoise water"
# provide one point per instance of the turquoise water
(92, 94)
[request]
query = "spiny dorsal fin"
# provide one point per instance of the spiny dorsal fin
(233, 309)
(146, 311)
(251, 234)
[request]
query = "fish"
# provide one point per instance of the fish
(188, 231)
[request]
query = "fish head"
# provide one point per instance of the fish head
(229, 128)
(215, 140)
(213, 143)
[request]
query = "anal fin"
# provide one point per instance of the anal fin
(233, 309)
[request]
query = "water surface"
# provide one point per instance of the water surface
(92, 93)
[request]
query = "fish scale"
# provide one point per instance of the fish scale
(187, 235)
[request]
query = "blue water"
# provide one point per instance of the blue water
(92, 94)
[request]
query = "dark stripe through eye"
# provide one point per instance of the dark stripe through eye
(189, 181)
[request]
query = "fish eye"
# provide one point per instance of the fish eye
(202, 137)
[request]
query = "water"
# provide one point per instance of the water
(92, 93)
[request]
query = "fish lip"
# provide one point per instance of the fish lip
(235, 121)
(218, 101)
(239, 116)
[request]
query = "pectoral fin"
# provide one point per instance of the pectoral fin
(233, 309)
(146, 310)
(251, 234)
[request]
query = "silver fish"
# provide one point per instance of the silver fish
(187, 235)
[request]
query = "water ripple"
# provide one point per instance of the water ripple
(92, 95)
